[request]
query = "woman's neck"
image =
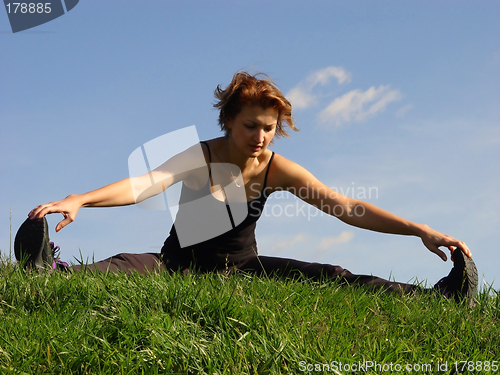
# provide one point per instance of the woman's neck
(245, 163)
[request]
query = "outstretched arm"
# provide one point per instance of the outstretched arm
(365, 215)
(120, 193)
(299, 181)
(188, 166)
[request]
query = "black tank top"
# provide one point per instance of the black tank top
(223, 251)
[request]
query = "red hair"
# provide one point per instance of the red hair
(247, 89)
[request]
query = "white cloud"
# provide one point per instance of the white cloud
(288, 243)
(328, 242)
(402, 111)
(323, 76)
(301, 96)
(357, 105)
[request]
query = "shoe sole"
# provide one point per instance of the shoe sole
(30, 244)
(469, 280)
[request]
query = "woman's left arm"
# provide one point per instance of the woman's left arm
(300, 182)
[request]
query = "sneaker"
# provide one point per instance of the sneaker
(461, 283)
(31, 245)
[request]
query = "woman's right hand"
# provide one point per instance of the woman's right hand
(68, 207)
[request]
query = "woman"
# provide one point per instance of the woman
(252, 112)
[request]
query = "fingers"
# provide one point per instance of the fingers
(63, 223)
(47, 208)
(440, 254)
(466, 250)
(461, 245)
(452, 249)
(41, 210)
(53, 207)
(433, 244)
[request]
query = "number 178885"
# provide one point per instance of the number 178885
(28, 7)
(476, 366)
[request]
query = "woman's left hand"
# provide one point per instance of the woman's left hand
(433, 240)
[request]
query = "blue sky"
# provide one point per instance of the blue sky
(397, 103)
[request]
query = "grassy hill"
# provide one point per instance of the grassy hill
(234, 324)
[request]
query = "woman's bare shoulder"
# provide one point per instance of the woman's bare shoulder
(212, 148)
(283, 164)
(285, 173)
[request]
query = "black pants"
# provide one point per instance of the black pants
(259, 265)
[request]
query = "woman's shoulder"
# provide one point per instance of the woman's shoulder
(211, 147)
(282, 162)
(213, 141)
(285, 173)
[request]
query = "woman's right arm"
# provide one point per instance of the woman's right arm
(188, 166)
(121, 193)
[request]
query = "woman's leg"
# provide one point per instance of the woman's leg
(128, 263)
(283, 267)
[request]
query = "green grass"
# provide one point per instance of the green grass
(218, 324)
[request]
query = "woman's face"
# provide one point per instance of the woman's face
(252, 129)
